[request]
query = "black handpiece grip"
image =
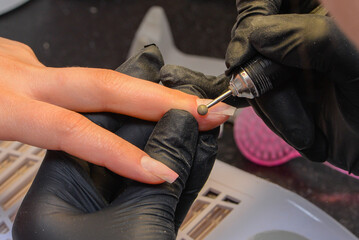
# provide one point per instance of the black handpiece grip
(267, 74)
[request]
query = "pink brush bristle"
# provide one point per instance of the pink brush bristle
(258, 143)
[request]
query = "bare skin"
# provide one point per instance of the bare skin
(39, 106)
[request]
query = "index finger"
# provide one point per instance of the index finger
(98, 90)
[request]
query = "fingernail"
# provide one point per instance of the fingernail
(158, 169)
(220, 108)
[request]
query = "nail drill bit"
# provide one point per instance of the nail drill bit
(253, 79)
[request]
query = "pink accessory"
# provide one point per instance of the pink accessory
(258, 143)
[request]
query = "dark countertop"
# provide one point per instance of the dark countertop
(98, 33)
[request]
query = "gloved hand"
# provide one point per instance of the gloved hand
(74, 199)
(318, 112)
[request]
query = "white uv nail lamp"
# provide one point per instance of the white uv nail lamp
(240, 206)
(8, 5)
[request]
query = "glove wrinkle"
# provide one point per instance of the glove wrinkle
(174, 76)
(240, 50)
(183, 144)
(75, 183)
(204, 159)
(146, 64)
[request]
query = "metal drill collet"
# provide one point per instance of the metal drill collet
(240, 85)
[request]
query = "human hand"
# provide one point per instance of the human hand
(40, 105)
(73, 199)
(318, 112)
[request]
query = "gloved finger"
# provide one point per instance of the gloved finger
(174, 141)
(172, 76)
(283, 112)
(202, 165)
(265, 119)
(239, 50)
(206, 152)
(288, 116)
(318, 151)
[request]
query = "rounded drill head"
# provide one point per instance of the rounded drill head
(202, 109)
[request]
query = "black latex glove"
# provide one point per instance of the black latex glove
(73, 199)
(318, 112)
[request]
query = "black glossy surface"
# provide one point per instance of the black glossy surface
(99, 33)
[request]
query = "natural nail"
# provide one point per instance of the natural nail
(158, 169)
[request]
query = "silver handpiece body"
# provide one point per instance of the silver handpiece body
(241, 85)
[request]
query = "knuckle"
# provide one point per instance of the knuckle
(108, 80)
(108, 84)
(72, 126)
(57, 75)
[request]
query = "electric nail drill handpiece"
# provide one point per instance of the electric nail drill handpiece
(255, 78)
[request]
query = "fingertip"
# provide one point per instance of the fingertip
(159, 170)
(300, 138)
(318, 150)
(216, 115)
